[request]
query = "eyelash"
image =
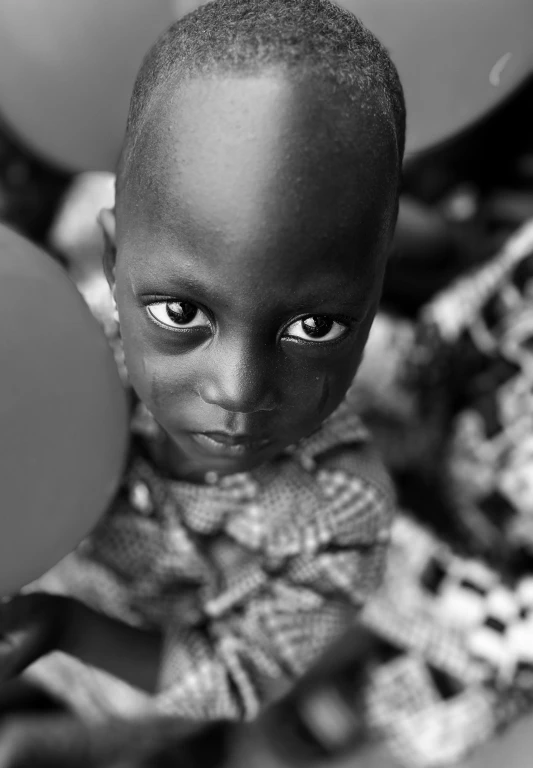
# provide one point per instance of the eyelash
(335, 320)
(168, 326)
(344, 322)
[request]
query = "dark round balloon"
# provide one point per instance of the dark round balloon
(67, 68)
(63, 415)
(457, 60)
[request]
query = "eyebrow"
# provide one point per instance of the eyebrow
(142, 286)
(173, 281)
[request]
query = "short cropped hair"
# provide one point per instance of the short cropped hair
(251, 36)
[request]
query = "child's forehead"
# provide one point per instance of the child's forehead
(262, 165)
(293, 120)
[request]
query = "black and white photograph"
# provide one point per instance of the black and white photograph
(266, 383)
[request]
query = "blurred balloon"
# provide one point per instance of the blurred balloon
(63, 415)
(67, 68)
(457, 60)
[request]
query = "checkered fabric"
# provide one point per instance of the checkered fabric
(457, 621)
(249, 579)
(461, 642)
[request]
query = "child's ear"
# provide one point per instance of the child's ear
(106, 219)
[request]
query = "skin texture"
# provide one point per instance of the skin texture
(259, 202)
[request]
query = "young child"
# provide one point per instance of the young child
(256, 198)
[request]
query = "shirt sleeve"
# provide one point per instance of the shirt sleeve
(225, 666)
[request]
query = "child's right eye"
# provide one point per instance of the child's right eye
(177, 315)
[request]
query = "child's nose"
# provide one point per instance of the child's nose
(240, 379)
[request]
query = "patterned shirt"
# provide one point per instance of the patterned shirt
(248, 579)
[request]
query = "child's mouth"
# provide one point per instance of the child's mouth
(226, 444)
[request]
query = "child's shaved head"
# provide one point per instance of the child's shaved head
(256, 201)
(311, 37)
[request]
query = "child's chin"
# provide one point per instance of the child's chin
(233, 459)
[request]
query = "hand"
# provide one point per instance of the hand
(30, 626)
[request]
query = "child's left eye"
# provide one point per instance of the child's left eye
(317, 328)
(177, 315)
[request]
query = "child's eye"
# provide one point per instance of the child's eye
(318, 328)
(177, 314)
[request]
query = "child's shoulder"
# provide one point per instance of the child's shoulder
(345, 445)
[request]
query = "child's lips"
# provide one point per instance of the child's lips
(224, 443)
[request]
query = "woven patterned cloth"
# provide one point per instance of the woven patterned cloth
(249, 579)
(453, 620)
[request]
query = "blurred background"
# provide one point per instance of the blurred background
(66, 71)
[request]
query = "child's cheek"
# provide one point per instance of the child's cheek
(140, 378)
(318, 393)
(143, 369)
(162, 390)
(171, 385)
(326, 397)
(333, 388)
(340, 377)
